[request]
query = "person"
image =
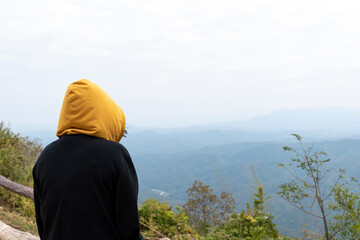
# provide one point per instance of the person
(85, 184)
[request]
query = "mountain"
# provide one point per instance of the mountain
(151, 142)
(312, 123)
(43, 137)
(332, 119)
(168, 161)
(167, 176)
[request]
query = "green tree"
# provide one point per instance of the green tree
(346, 211)
(205, 209)
(252, 224)
(313, 186)
(161, 220)
(17, 157)
(226, 207)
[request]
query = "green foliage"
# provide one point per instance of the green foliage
(226, 206)
(17, 157)
(161, 218)
(307, 234)
(205, 209)
(214, 217)
(313, 186)
(175, 173)
(251, 224)
(346, 208)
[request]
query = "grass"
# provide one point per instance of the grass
(17, 221)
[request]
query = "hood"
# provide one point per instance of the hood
(87, 109)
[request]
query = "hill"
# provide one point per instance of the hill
(312, 123)
(334, 120)
(169, 160)
(227, 167)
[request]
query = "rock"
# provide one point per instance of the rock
(9, 233)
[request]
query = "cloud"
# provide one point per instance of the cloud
(190, 55)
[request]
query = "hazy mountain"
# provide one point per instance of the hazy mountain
(149, 142)
(43, 137)
(180, 140)
(312, 123)
(167, 176)
(169, 160)
(333, 119)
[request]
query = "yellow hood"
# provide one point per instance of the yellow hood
(87, 109)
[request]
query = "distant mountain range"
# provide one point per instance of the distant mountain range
(315, 123)
(169, 160)
(335, 119)
(167, 176)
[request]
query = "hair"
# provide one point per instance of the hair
(125, 131)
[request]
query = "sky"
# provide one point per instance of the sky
(178, 63)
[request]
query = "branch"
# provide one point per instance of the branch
(16, 187)
(296, 176)
(315, 221)
(345, 225)
(301, 208)
(333, 188)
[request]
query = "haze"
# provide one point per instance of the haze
(178, 63)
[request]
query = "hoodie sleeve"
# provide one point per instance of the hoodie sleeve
(127, 217)
(37, 204)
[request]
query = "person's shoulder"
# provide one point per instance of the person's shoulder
(48, 149)
(110, 144)
(120, 149)
(111, 147)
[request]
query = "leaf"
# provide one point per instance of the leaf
(298, 137)
(286, 148)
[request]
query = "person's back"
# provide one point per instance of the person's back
(85, 184)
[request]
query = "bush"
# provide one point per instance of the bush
(161, 218)
(17, 157)
(251, 224)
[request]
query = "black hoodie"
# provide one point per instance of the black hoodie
(85, 184)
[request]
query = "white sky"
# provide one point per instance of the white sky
(179, 63)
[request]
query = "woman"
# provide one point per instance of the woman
(85, 184)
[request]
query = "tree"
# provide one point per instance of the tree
(17, 157)
(254, 223)
(205, 209)
(346, 211)
(161, 220)
(313, 187)
(226, 207)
